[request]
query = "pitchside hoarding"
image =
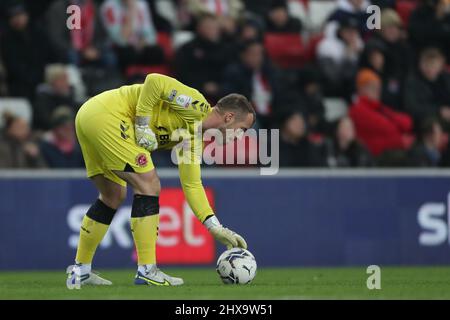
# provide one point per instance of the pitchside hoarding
(289, 220)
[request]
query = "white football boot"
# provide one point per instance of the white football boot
(154, 277)
(75, 279)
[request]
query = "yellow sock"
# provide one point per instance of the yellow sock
(91, 234)
(145, 233)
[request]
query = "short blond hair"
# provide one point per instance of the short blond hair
(389, 17)
(54, 71)
(238, 103)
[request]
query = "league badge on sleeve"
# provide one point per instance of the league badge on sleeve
(183, 100)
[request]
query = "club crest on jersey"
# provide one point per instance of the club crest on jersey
(183, 100)
(141, 160)
(172, 95)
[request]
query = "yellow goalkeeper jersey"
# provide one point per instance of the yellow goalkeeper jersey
(170, 105)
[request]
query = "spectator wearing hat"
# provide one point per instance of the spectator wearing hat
(55, 91)
(390, 42)
(429, 26)
(427, 89)
(279, 21)
(338, 57)
(25, 51)
(374, 57)
(59, 145)
(379, 127)
(18, 148)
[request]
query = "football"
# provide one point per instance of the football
(236, 266)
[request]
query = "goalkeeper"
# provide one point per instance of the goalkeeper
(117, 131)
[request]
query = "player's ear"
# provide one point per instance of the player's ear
(229, 116)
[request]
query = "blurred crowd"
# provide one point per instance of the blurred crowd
(341, 93)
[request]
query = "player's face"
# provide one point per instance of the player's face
(234, 126)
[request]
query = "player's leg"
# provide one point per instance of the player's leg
(98, 218)
(144, 226)
(111, 194)
(93, 228)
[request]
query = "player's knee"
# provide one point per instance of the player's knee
(156, 185)
(114, 198)
(148, 184)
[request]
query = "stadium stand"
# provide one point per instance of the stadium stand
(296, 35)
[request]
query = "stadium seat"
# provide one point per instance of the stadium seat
(167, 10)
(286, 50)
(335, 108)
(443, 144)
(318, 13)
(299, 9)
(142, 70)
(405, 8)
(181, 37)
(311, 46)
(165, 41)
(17, 106)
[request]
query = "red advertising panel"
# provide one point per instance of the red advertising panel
(182, 237)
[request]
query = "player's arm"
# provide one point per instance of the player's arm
(190, 177)
(151, 93)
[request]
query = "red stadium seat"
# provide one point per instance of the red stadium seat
(405, 8)
(286, 50)
(165, 41)
(311, 47)
(143, 70)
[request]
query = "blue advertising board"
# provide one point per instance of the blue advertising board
(290, 220)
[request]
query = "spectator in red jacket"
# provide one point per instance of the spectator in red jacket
(379, 127)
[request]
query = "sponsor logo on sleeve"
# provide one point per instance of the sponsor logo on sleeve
(172, 95)
(141, 160)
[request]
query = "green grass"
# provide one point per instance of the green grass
(270, 283)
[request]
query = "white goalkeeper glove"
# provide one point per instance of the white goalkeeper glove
(224, 235)
(145, 137)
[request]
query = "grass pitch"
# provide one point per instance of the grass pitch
(270, 283)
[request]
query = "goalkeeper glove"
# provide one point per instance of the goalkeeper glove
(145, 137)
(224, 235)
